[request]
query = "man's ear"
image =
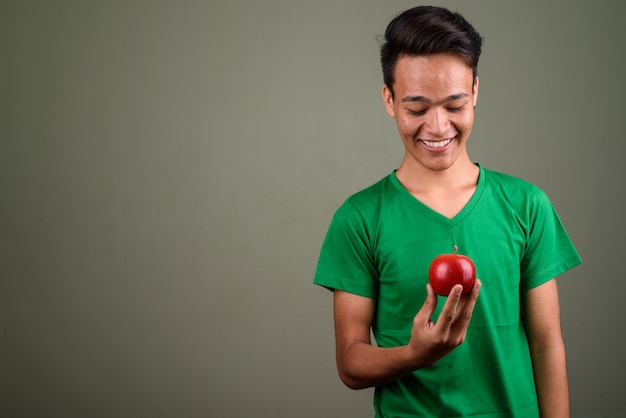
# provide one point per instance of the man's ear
(475, 90)
(388, 100)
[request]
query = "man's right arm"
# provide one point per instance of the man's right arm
(361, 365)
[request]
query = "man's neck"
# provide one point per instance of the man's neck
(419, 179)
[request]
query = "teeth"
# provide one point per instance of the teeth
(437, 144)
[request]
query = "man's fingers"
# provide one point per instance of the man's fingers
(458, 309)
(466, 307)
(448, 313)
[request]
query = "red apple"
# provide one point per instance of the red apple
(448, 270)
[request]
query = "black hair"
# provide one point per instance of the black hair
(427, 30)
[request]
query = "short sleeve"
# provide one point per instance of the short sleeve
(549, 251)
(346, 260)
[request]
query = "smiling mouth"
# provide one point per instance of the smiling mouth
(437, 144)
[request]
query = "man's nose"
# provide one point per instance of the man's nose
(437, 122)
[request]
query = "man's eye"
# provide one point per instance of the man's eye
(416, 112)
(456, 109)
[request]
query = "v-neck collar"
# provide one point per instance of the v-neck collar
(433, 214)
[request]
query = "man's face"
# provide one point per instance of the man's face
(433, 106)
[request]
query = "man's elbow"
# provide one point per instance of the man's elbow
(351, 381)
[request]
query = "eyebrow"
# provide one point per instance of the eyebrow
(423, 99)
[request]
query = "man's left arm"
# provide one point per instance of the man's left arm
(547, 348)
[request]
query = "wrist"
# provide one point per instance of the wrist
(415, 358)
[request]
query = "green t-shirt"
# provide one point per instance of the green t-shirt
(380, 244)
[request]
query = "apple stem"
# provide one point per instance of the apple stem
(454, 250)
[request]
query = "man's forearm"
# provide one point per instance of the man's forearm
(363, 365)
(549, 365)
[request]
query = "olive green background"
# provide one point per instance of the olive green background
(168, 171)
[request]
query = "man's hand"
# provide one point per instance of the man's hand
(431, 341)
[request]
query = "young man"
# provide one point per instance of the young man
(497, 355)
